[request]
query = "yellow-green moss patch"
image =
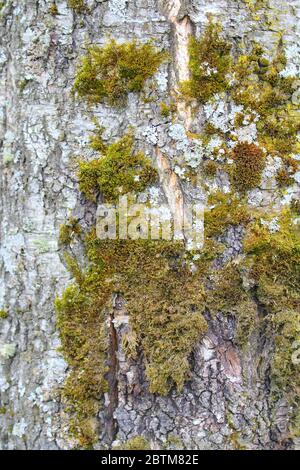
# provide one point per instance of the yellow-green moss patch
(112, 71)
(210, 62)
(135, 443)
(79, 6)
(226, 210)
(273, 261)
(164, 301)
(260, 87)
(249, 163)
(69, 231)
(3, 314)
(119, 171)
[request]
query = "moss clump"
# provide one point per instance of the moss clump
(228, 296)
(226, 211)
(249, 163)
(273, 261)
(136, 443)
(210, 168)
(166, 110)
(255, 5)
(3, 314)
(284, 178)
(112, 71)
(53, 10)
(69, 230)
(210, 62)
(119, 171)
(79, 6)
(164, 301)
(260, 87)
(152, 277)
(295, 207)
(84, 338)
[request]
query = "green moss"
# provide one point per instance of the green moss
(173, 442)
(284, 178)
(227, 295)
(112, 71)
(79, 6)
(210, 62)
(261, 88)
(226, 211)
(22, 84)
(3, 314)
(69, 231)
(255, 5)
(84, 338)
(96, 139)
(119, 171)
(136, 443)
(275, 258)
(2, 410)
(295, 207)
(152, 277)
(249, 163)
(273, 261)
(53, 10)
(167, 110)
(210, 168)
(164, 300)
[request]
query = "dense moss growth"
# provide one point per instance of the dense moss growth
(53, 10)
(249, 163)
(84, 338)
(79, 6)
(210, 168)
(210, 62)
(164, 301)
(152, 277)
(167, 110)
(226, 210)
(260, 87)
(251, 80)
(227, 295)
(284, 178)
(273, 260)
(120, 170)
(69, 231)
(3, 314)
(166, 290)
(136, 443)
(112, 71)
(255, 5)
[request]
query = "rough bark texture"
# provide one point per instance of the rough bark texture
(226, 403)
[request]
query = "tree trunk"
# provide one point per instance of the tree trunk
(227, 401)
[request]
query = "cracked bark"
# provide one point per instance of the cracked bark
(112, 375)
(41, 130)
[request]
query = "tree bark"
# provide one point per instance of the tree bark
(226, 402)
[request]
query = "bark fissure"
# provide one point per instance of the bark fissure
(112, 376)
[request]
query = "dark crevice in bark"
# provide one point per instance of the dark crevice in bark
(112, 377)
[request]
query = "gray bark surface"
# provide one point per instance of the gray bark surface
(226, 403)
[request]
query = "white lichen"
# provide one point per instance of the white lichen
(272, 225)
(8, 350)
(222, 114)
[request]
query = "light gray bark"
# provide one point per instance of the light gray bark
(42, 129)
